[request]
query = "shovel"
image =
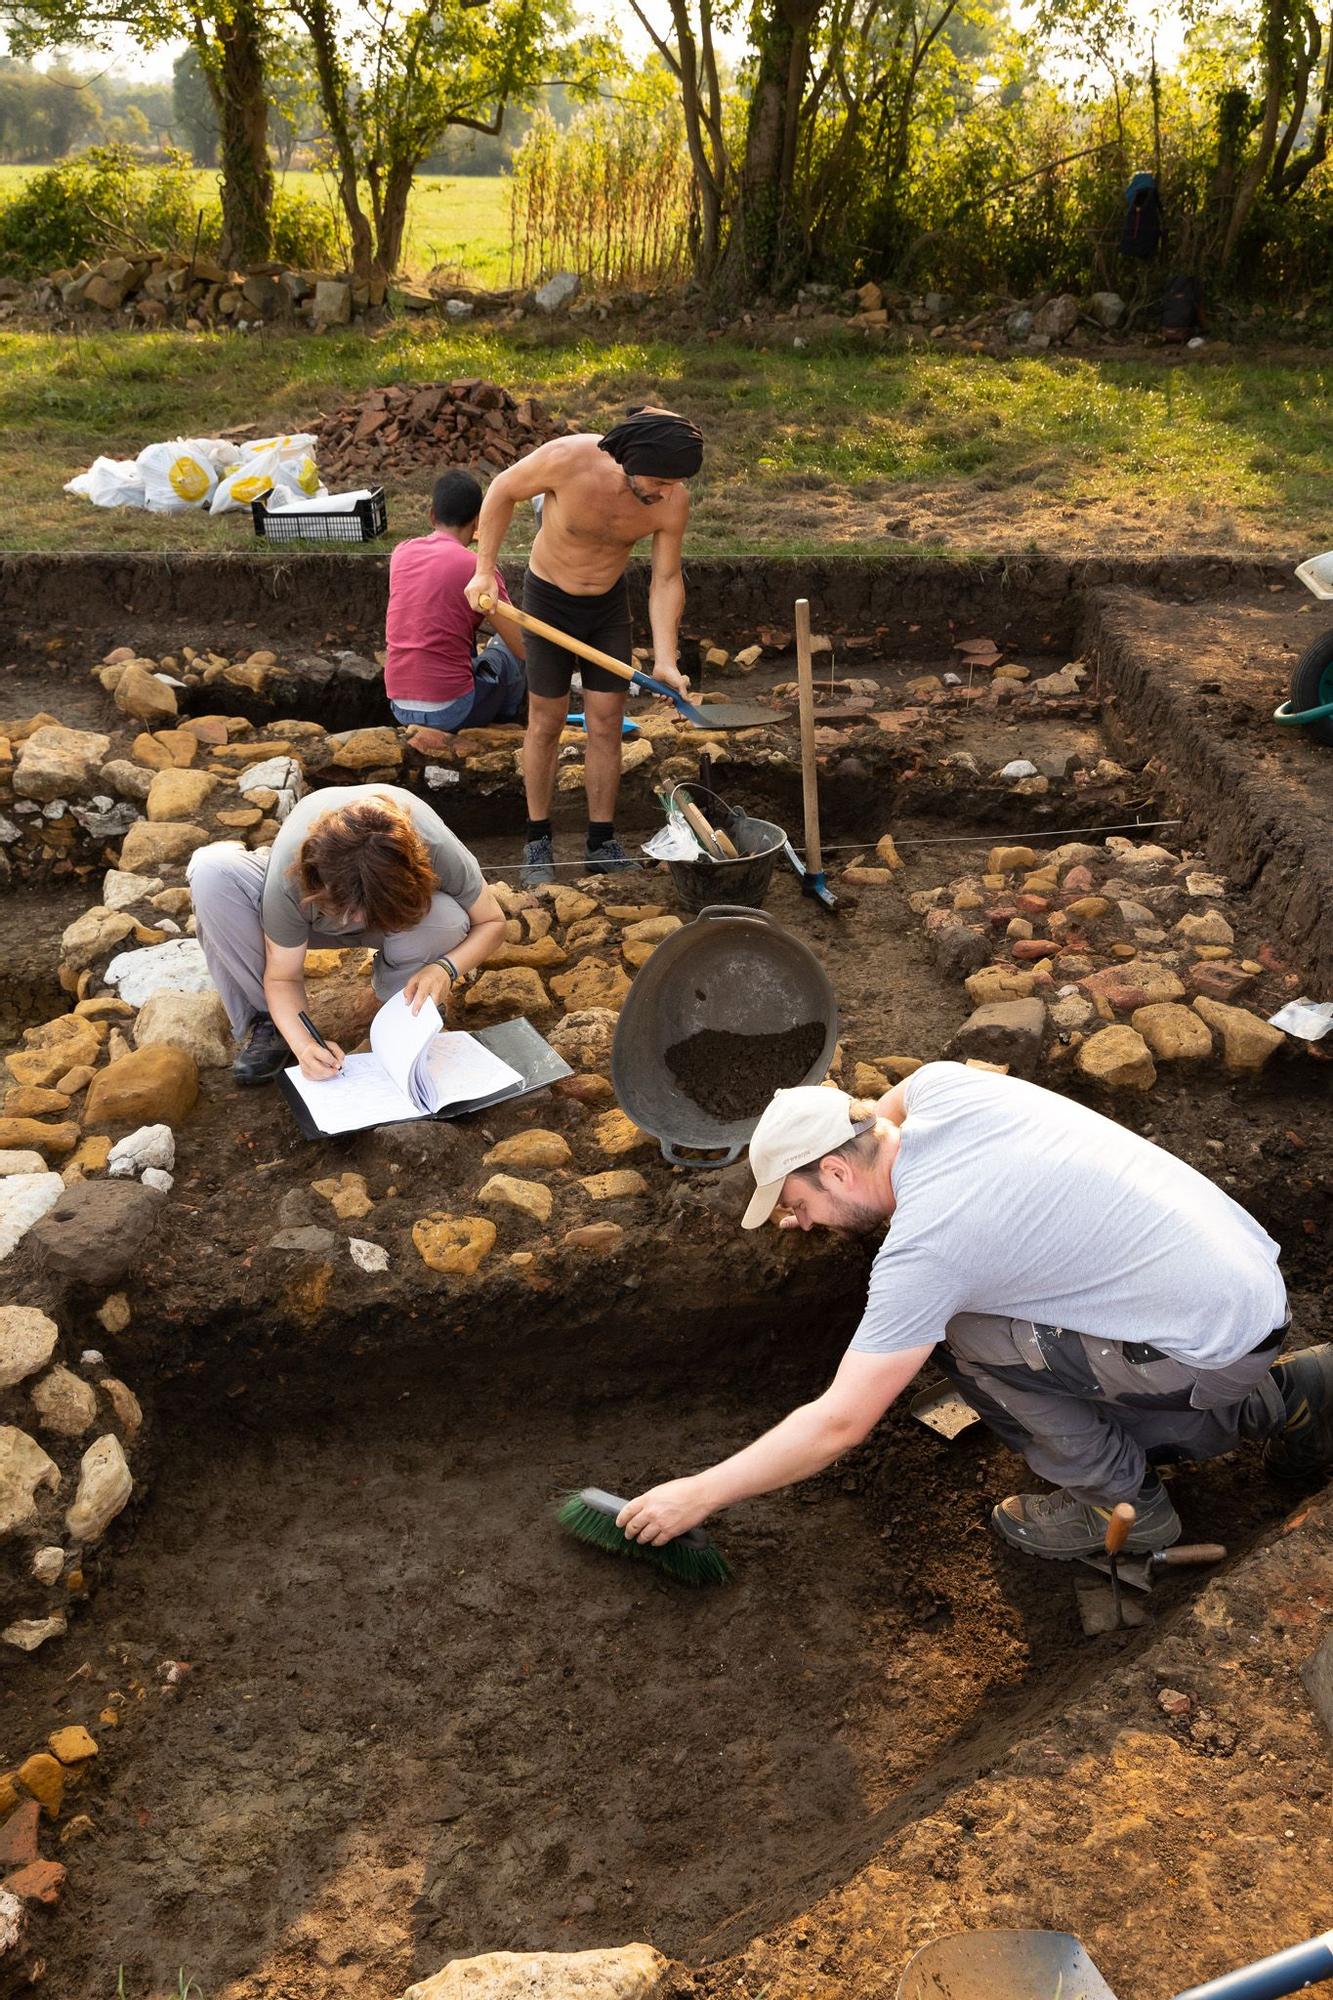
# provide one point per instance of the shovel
(717, 715)
(1053, 1965)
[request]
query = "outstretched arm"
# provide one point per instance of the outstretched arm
(802, 1444)
(666, 598)
(532, 475)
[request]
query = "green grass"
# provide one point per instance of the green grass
(814, 451)
(457, 222)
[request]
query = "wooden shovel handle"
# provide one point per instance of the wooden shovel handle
(1122, 1520)
(592, 654)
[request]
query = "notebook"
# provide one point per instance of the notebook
(417, 1068)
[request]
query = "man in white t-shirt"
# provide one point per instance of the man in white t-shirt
(1103, 1307)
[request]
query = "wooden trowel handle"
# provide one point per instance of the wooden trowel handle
(1187, 1553)
(1122, 1520)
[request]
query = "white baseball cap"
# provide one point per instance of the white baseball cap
(798, 1128)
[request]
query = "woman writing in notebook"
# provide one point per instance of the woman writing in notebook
(353, 865)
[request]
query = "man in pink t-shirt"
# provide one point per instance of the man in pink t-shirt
(433, 672)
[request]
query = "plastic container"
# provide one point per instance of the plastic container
(362, 523)
(736, 969)
(758, 843)
(1317, 575)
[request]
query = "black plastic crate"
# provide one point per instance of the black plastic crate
(369, 518)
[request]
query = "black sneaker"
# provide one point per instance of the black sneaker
(264, 1054)
(608, 859)
(538, 863)
(1059, 1526)
(1303, 1448)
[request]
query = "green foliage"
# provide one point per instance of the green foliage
(42, 116)
(608, 197)
(306, 232)
(95, 203)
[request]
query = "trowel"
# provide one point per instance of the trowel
(1053, 1965)
(1108, 1610)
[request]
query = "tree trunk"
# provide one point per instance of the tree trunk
(1275, 48)
(755, 252)
(391, 218)
(333, 100)
(233, 61)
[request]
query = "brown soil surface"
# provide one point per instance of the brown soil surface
(419, 1722)
(386, 1751)
(734, 1076)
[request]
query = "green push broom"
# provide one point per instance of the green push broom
(690, 1558)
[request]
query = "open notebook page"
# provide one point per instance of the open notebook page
(374, 1089)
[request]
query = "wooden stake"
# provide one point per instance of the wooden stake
(805, 685)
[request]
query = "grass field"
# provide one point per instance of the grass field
(459, 222)
(831, 449)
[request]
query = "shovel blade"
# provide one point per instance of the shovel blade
(1003, 1965)
(733, 715)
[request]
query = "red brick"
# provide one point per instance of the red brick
(18, 1835)
(1218, 980)
(39, 1882)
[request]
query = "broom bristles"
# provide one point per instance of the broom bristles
(676, 1559)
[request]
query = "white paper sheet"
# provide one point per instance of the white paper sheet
(461, 1070)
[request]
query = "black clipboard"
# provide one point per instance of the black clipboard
(514, 1042)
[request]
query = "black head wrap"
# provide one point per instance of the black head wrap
(656, 443)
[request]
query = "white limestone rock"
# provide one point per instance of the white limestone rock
(177, 966)
(27, 1342)
(620, 1972)
(24, 1469)
(104, 1487)
(65, 1403)
(149, 1146)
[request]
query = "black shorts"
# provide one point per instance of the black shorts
(602, 621)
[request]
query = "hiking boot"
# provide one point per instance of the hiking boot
(1303, 1448)
(1059, 1526)
(608, 859)
(538, 863)
(264, 1054)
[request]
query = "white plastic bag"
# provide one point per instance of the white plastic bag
(110, 482)
(251, 480)
(178, 476)
(296, 460)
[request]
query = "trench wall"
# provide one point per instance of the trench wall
(1031, 600)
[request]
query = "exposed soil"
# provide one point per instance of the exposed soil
(734, 1076)
(387, 1752)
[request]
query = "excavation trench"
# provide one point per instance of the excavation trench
(420, 1722)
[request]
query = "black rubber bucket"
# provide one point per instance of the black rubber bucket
(758, 844)
(736, 969)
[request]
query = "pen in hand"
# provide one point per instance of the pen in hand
(315, 1035)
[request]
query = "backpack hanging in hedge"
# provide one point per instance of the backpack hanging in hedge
(1181, 307)
(1141, 235)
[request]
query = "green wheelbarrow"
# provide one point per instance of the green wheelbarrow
(1309, 705)
(1053, 1965)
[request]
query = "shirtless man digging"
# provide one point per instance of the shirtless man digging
(599, 495)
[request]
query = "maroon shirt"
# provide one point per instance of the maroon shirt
(431, 629)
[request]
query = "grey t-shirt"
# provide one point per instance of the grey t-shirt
(1015, 1201)
(282, 913)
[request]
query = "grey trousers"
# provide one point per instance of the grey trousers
(227, 885)
(1092, 1415)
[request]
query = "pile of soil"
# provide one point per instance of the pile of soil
(405, 426)
(733, 1076)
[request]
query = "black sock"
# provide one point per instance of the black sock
(539, 829)
(599, 832)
